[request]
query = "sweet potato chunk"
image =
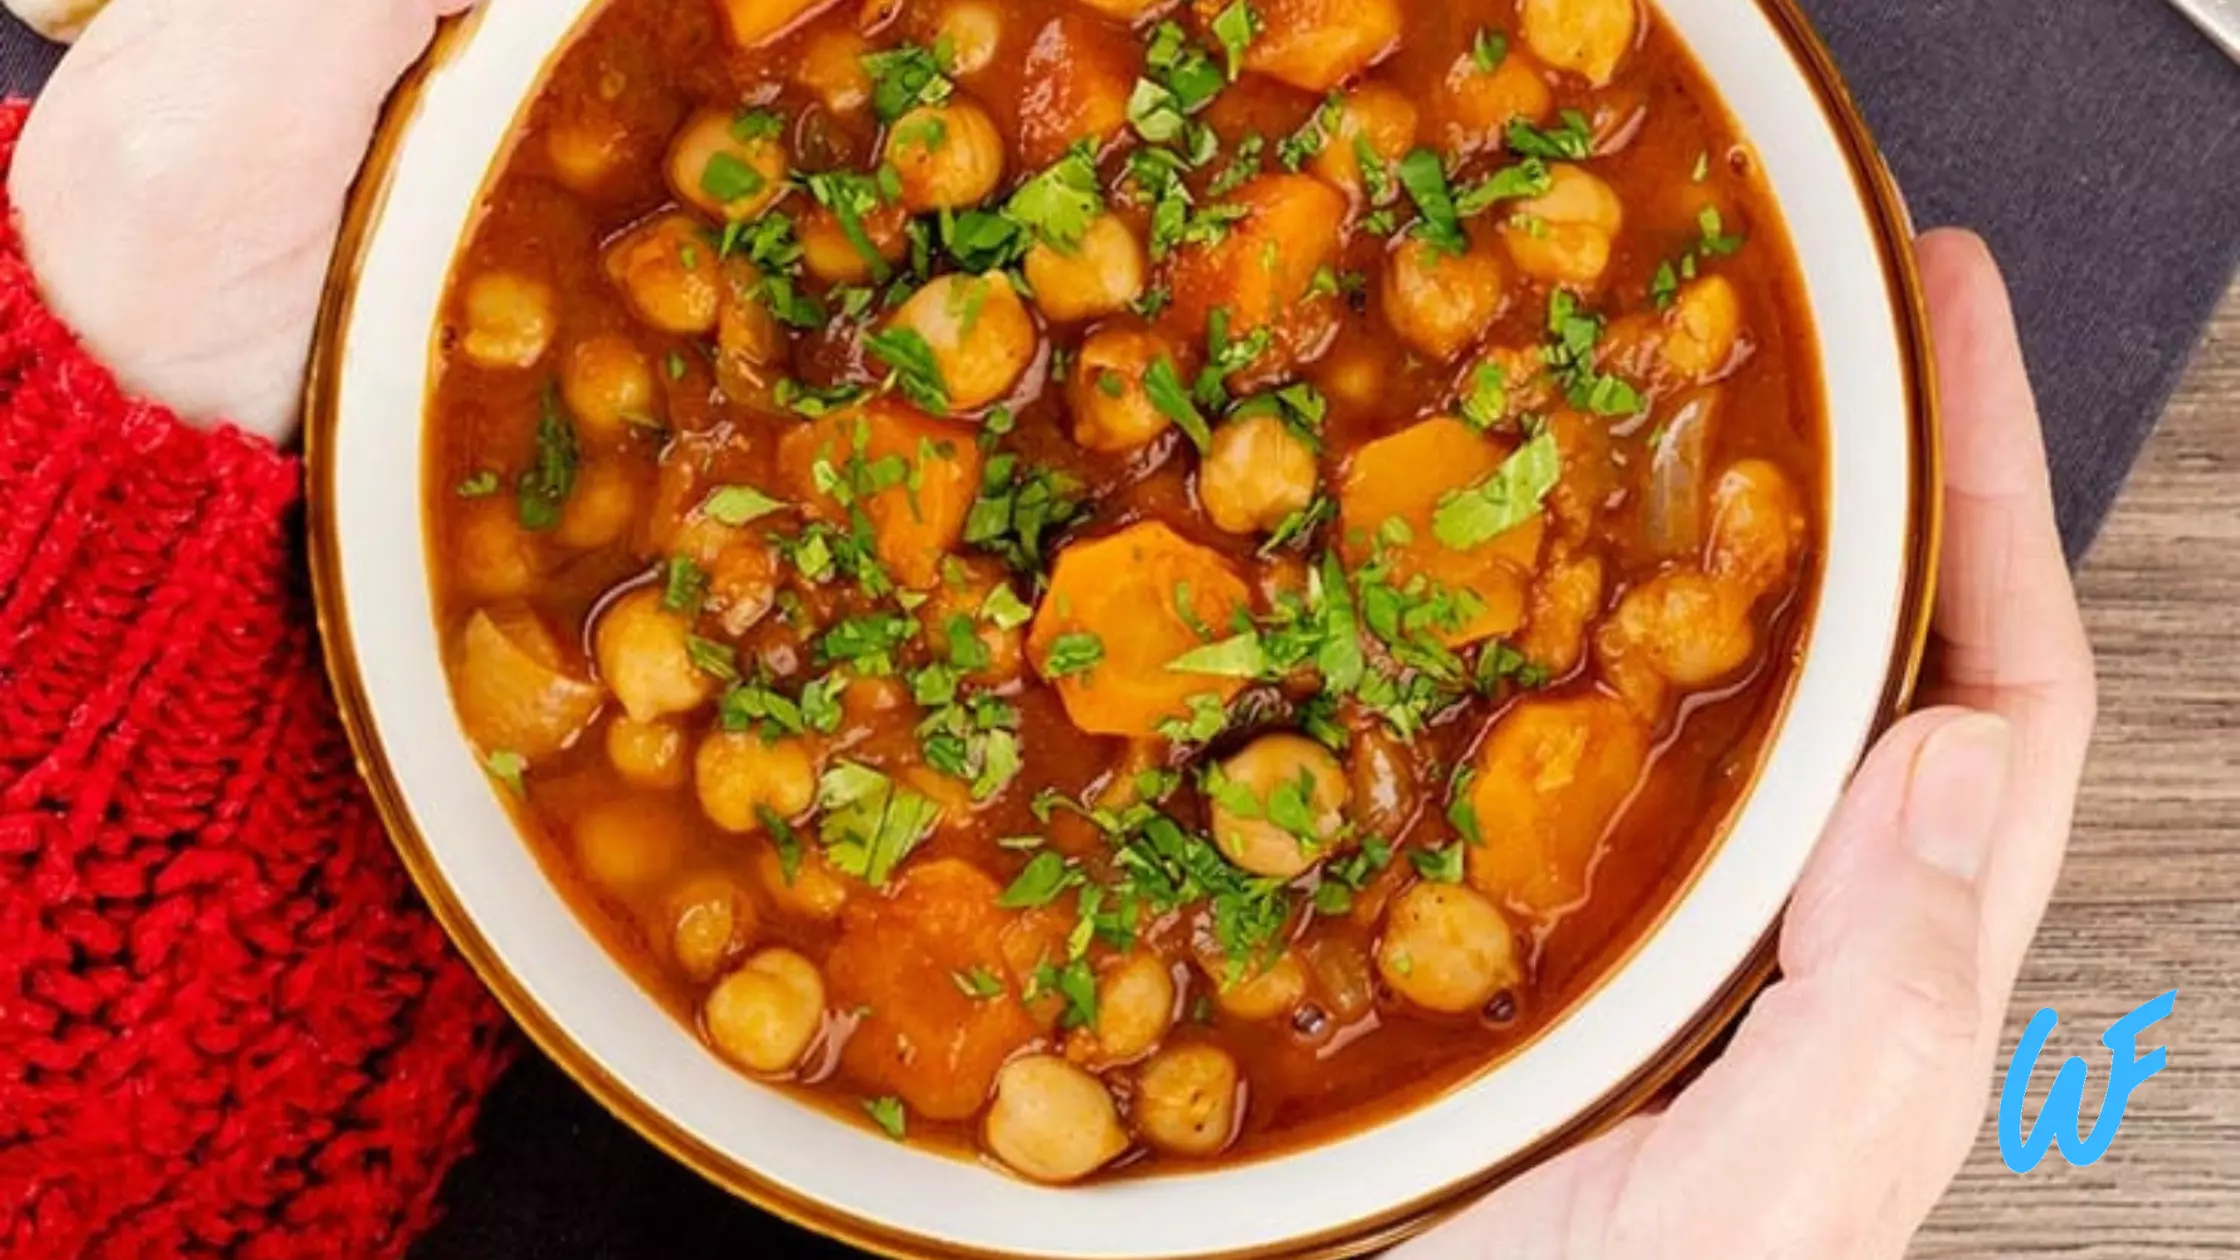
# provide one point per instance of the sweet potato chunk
(921, 1037)
(1550, 778)
(753, 22)
(1075, 88)
(1116, 599)
(1403, 478)
(921, 473)
(1260, 269)
(1317, 44)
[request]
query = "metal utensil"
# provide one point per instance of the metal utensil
(2218, 19)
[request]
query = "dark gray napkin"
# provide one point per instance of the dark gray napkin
(2094, 144)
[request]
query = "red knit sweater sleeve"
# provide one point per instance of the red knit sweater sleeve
(226, 1025)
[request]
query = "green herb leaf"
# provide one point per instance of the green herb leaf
(685, 585)
(727, 179)
(870, 823)
(481, 485)
(736, 505)
(889, 1114)
(1003, 608)
(1529, 178)
(1240, 656)
(1208, 718)
(1060, 202)
(1440, 866)
(1074, 652)
(977, 983)
(1572, 141)
(545, 486)
(916, 371)
(1504, 499)
(507, 767)
(1163, 385)
(1488, 50)
(905, 77)
(717, 660)
(1425, 177)
(1234, 27)
(1045, 876)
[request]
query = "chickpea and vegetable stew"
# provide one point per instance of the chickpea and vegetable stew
(1118, 585)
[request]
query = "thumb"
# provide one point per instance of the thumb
(1852, 1092)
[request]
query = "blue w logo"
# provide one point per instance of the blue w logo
(2057, 1120)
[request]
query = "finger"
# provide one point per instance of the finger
(2008, 635)
(1827, 1127)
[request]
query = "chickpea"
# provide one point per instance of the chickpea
(646, 754)
(754, 22)
(628, 844)
(1439, 302)
(1525, 386)
(830, 256)
(1263, 995)
(1702, 329)
(710, 919)
(1587, 37)
(1758, 525)
(1564, 235)
(812, 891)
(600, 509)
(1188, 1099)
(974, 31)
(588, 147)
(491, 555)
(1051, 1121)
(1688, 628)
(948, 156)
(1135, 1008)
(739, 776)
(1100, 276)
(1565, 598)
(979, 331)
(1477, 105)
(764, 1015)
(726, 165)
(831, 66)
(1447, 949)
(1354, 373)
(1104, 391)
(1125, 10)
(1256, 472)
(667, 271)
(1285, 799)
(509, 320)
(644, 658)
(608, 385)
(1381, 116)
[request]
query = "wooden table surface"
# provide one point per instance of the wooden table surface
(2150, 898)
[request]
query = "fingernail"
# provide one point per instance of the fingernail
(1956, 791)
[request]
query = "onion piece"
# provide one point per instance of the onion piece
(514, 691)
(1679, 477)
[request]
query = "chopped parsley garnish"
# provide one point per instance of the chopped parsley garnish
(1504, 499)
(750, 125)
(1716, 243)
(551, 477)
(1301, 146)
(674, 365)
(1570, 354)
(866, 641)
(1074, 652)
(1461, 811)
(1060, 202)
(870, 823)
(1163, 385)
(1234, 27)
(727, 179)
(1003, 608)
(907, 76)
(1244, 163)
(1498, 663)
(850, 197)
(974, 739)
(977, 983)
(684, 586)
(1485, 401)
(717, 660)
(1208, 718)
(507, 767)
(1041, 881)
(1440, 866)
(1488, 50)
(1299, 405)
(1181, 79)
(737, 505)
(480, 485)
(889, 1114)
(914, 369)
(1239, 656)
(1529, 178)
(981, 241)
(1572, 141)
(1018, 508)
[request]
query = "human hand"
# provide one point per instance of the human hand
(1852, 1093)
(179, 186)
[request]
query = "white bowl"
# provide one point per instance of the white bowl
(1686, 978)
